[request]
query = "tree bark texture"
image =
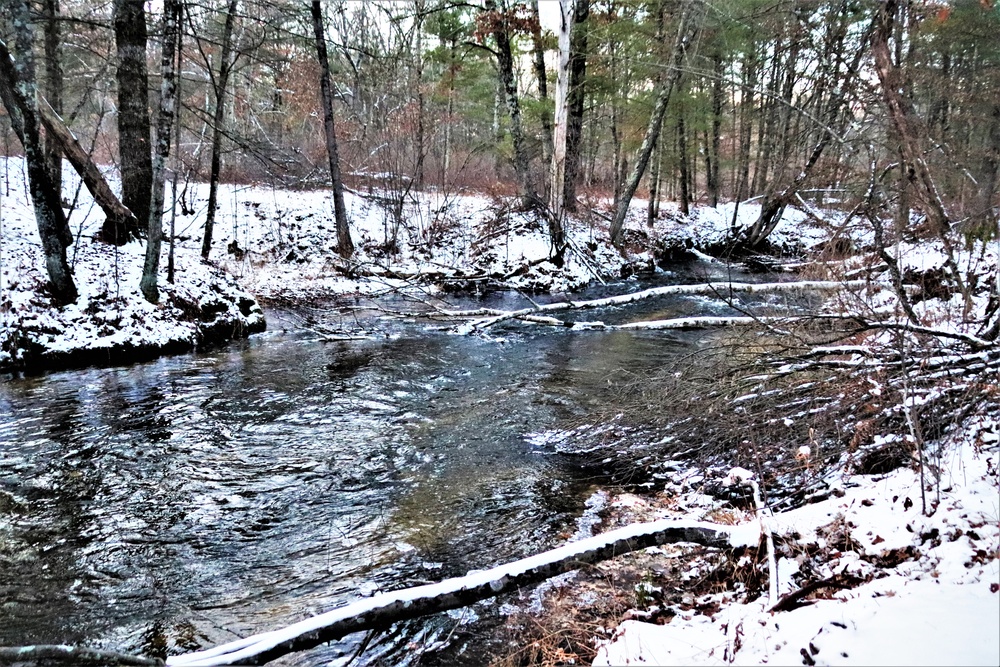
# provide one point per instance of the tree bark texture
(575, 100)
(508, 84)
(134, 131)
(53, 85)
(218, 118)
(18, 92)
(687, 29)
(172, 10)
(538, 60)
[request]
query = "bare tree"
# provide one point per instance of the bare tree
(344, 244)
(219, 82)
(172, 10)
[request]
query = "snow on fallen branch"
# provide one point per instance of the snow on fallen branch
(489, 317)
(49, 654)
(383, 610)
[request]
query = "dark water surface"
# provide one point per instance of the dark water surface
(176, 504)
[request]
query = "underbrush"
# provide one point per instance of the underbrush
(793, 408)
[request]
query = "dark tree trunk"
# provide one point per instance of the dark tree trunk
(505, 69)
(653, 209)
(172, 10)
(18, 92)
(136, 162)
(344, 244)
(218, 118)
(53, 87)
(682, 154)
(577, 90)
(712, 178)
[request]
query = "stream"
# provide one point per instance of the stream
(167, 506)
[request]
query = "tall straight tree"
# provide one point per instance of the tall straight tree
(557, 190)
(344, 244)
(219, 83)
(575, 100)
(172, 10)
(18, 91)
(133, 115)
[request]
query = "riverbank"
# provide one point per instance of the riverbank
(279, 245)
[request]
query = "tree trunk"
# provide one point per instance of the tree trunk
(712, 178)
(53, 87)
(134, 130)
(575, 100)
(688, 27)
(777, 199)
(538, 53)
(344, 244)
(682, 155)
(218, 118)
(118, 215)
(18, 93)
(557, 189)
(653, 208)
(172, 10)
(903, 119)
(505, 69)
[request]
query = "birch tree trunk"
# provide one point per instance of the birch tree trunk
(687, 29)
(164, 124)
(557, 189)
(344, 244)
(218, 118)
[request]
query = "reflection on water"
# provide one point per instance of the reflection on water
(170, 505)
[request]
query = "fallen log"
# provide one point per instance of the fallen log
(49, 654)
(381, 611)
(118, 214)
(489, 317)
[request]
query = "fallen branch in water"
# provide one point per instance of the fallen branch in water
(381, 611)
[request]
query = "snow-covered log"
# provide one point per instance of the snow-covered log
(383, 610)
(491, 317)
(60, 654)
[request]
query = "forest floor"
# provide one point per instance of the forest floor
(886, 530)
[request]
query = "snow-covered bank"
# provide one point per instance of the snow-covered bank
(904, 588)
(110, 322)
(280, 245)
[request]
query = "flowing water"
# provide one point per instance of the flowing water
(175, 504)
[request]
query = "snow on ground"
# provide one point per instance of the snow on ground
(110, 322)
(281, 244)
(930, 591)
